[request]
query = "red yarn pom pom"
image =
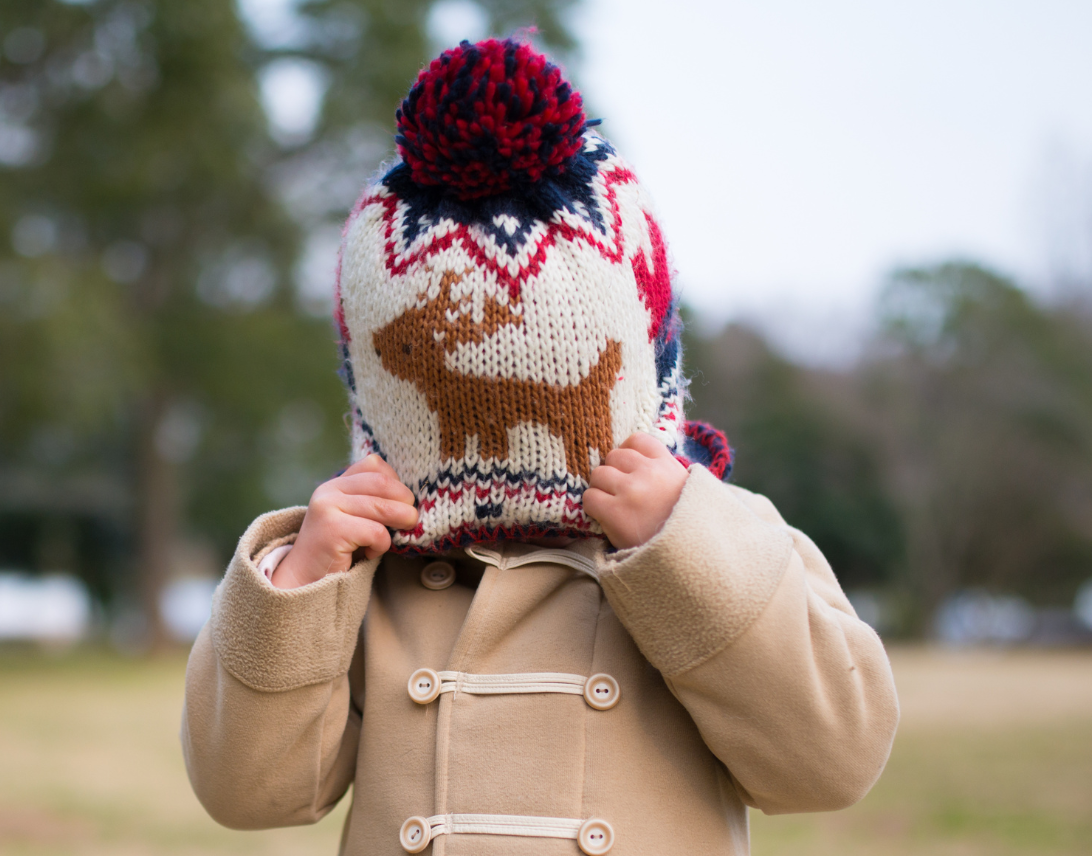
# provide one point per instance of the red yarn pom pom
(490, 117)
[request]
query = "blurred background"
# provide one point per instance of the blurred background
(881, 218)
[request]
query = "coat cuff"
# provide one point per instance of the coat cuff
(275, 640)
(700, 582)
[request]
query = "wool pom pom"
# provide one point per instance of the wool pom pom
(487, 118)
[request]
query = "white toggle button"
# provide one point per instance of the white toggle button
(602, 692)
(595, 838)
(415, 835)
(424, 686)
(437, 575)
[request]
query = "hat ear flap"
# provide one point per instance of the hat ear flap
(703, 444)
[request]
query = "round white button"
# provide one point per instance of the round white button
(424, 686)
(437, 575)
(596, 837)
(602, 692)
(415, 835)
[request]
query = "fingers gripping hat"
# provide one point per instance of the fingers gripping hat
(505, 306)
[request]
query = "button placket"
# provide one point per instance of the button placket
(594, 836)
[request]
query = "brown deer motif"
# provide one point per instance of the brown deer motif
(413, 346)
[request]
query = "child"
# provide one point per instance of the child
(445, 626)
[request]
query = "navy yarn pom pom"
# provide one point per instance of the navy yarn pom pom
(486, 118)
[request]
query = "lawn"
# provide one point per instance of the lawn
(994, 756)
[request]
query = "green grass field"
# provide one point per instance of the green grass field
(994, 756)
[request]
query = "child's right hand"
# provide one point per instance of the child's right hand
(347, 513)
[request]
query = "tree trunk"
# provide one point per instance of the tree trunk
(157, 515)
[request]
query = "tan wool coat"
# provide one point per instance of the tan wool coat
(727, 669)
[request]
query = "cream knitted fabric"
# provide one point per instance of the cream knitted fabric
(502, 334)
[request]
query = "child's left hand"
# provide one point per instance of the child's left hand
(634, 490)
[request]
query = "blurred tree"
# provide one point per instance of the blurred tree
(146, 307)
(986, 403)
(801, 439)
(156, 372)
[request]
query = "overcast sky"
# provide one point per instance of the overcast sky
(798, 150)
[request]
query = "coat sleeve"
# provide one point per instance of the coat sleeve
(747, 623)
(269, 727)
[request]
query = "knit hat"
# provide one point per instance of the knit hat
(505, 306)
